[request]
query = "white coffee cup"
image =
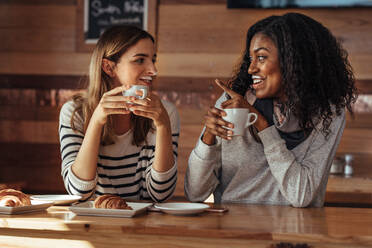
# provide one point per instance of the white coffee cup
(241, 118)
(132, 91)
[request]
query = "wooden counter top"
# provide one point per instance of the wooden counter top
(354, 190)
(241, 226)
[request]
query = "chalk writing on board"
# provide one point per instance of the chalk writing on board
(102, 14)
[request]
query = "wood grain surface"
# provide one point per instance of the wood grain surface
(241, 226)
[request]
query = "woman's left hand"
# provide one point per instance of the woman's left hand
(152, 108)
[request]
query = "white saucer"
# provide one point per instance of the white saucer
(57, 199)
(182, 208)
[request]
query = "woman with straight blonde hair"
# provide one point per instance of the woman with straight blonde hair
(113, 142)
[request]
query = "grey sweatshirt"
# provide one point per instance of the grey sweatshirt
(244, 171)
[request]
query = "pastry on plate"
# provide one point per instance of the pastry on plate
(13, 198)
(111, 202)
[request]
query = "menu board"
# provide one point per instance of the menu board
(102, 14)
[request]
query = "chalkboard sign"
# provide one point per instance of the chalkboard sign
(102, 14)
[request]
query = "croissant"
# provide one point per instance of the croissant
(13, 198)
(111, 202)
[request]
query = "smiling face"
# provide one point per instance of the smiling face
(265, 68)
(136, 65)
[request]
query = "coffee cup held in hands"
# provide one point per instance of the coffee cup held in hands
(132, 91)
(241, 118)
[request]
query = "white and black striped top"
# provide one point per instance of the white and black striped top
(123, 169)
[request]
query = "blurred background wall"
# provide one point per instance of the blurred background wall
(41, 66)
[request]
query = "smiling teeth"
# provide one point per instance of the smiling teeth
(147, 78)
(257, 79)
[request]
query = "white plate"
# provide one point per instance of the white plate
(35, 206)
(87, 208)
(57, 199)
(182, 208)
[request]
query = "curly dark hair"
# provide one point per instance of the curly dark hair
(315, 69)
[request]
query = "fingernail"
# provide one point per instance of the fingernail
(229, 138)
(231, 125)
(230, 132)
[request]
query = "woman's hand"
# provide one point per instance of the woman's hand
(152, 108)
(238, 101)
(214, 123)
(216, 126)
(112, 102)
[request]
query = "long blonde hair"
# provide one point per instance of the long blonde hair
(112, 44)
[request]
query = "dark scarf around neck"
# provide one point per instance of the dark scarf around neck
(266, 108)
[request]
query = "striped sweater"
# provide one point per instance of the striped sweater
(123, 168)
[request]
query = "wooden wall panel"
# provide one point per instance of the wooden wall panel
(17, 81)
(356, 140)
(40, 28)
(197, 64)
(213, 28)
(360, 62)
(36, 166)
(43, 132)
(169, 64)
(194, 39)
(39, 40)
(214, 36)
(204, 85)
(51, 14)
(29, 113)
(359, 120)
(62, 63)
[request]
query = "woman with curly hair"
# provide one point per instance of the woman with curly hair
(296, 77)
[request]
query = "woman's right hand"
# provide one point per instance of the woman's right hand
(112, 102)
(215, 125)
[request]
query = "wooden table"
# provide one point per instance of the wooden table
(243, 226)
